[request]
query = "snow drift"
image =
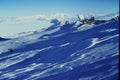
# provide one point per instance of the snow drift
(69, 51)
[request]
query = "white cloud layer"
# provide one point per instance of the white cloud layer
(39, 17)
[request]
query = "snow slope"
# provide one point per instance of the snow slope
(3, 39)
(108, 16)
(66, 52)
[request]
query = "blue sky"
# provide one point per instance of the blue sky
(30, 7)
(19, 8)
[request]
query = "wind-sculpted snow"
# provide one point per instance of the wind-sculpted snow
(66, 52)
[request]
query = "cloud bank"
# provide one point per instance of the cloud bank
(39, 17)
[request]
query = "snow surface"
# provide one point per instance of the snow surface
(65, 52)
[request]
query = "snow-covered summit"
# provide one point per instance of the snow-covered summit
(75, 20)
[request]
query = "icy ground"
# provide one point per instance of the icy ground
(66, 52)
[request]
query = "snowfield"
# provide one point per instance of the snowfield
(64, 52)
